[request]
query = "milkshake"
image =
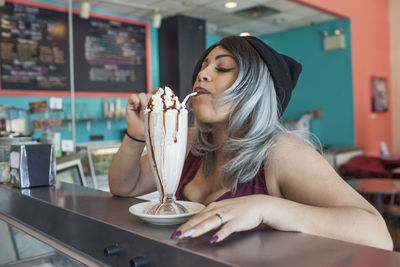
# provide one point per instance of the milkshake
(166, 126)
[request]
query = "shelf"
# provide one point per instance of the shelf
(93, 119)
(43, 111)
(6, 108)
(90, 120)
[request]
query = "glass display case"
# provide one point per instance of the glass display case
(69, 170)
(96, 159)
(21, 249)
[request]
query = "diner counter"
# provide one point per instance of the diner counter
(82, 222)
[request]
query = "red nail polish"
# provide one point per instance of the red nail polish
(213, 239)
(175, 235)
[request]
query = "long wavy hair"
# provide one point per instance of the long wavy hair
(254, 119)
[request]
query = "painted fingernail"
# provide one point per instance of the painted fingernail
(176, 234)
(189, 233)
(213, 239)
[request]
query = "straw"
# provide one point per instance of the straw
(187, 98)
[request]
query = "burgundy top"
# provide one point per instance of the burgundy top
(254, 186)
(192, 164)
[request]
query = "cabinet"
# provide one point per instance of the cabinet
(96, 159)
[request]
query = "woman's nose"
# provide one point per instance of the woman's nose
(203, 75)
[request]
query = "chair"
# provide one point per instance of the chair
(364, 167)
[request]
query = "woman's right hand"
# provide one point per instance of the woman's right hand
(135, 107)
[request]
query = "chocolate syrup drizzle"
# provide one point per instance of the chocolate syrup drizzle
(153, 156)
(151, 106)
(177, 125)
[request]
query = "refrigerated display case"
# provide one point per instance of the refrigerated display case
(96, 159)
(69, 169)
(18, 248)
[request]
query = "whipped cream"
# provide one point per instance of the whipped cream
(163, 100)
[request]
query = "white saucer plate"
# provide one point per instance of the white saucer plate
(139, 210)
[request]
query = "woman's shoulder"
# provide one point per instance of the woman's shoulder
(288, 141)
(288, 149)
(293, 158)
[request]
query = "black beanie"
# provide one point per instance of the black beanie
(284, 70)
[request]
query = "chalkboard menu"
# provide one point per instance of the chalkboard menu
(33, 48)
(109, 53)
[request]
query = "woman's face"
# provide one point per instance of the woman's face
(218, 72)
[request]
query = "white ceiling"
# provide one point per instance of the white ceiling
(222, 21)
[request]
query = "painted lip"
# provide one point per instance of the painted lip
(201, 91)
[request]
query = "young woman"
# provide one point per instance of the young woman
(242, 163)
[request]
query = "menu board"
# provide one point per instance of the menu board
(110, 56)
(33, 48)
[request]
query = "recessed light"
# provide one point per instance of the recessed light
(279, 20)
(186, 3)
(244, 34)
(231, 4)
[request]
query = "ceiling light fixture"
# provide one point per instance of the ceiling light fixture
(85, 10)
(279, 20)
(157, 18)
(132, 4)
(231, 4)
(186, 3)
(244, 34)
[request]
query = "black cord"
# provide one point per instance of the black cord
(133, 138)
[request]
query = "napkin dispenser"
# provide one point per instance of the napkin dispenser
(32, 165)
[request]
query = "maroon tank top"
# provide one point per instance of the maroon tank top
(192, 164)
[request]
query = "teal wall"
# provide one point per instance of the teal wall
(212, 39)
(325, 83)
(94, 105)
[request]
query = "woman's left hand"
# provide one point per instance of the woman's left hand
(230, 215)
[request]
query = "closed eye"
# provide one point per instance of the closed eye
(224, 69)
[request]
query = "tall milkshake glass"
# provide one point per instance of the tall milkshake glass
(166, 139)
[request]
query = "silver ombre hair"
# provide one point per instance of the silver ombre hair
(254, 120)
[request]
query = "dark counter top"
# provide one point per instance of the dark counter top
(86, 221)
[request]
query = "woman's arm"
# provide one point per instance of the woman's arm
(129, 173)
(306, 195)
(316, 200)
